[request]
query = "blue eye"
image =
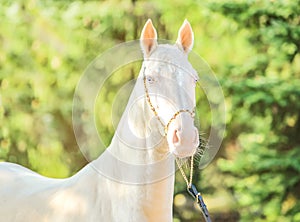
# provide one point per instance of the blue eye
(150, 79)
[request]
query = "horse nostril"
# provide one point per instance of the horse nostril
(175, 137)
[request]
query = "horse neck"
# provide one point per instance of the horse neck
(138, 155)
(138, 138)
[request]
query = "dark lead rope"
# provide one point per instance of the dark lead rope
(192, 190)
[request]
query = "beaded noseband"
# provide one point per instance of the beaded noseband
(165, 126)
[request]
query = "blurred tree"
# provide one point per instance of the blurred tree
(264, 114)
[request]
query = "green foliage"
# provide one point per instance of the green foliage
(265, 121)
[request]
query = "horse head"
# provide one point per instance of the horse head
(169, 87)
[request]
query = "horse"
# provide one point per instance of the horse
(156, 127)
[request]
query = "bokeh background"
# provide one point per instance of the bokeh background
(253, 46)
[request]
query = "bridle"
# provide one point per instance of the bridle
(165, 126)
(191, 188)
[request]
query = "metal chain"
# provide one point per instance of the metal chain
(166, 127)
(192, 190)
(150, 103)
(188, 182)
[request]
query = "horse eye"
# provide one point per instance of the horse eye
(150, 79)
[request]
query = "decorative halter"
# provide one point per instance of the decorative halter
(191, 188)
(165, 126)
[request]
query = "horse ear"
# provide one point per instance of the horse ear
(185, 40)
(148, 38)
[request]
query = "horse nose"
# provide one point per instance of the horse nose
(178, 137)
(185, 141)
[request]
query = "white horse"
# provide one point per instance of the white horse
(156, 126)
